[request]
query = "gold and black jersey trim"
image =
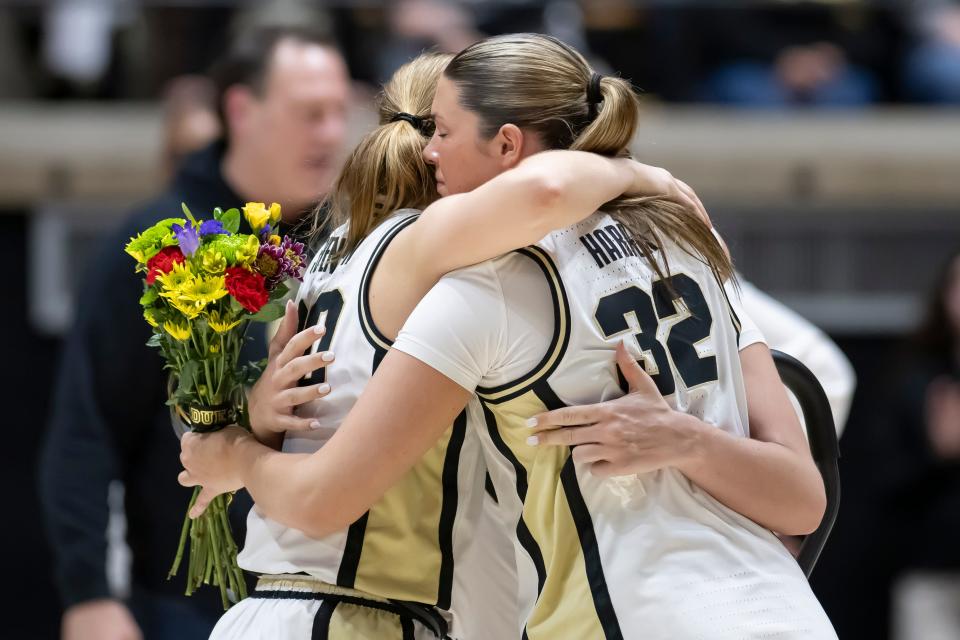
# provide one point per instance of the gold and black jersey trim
(369, 328)
(558, 342)
(602, 602)
(524, 537)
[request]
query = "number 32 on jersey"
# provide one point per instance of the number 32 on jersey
(681, 339)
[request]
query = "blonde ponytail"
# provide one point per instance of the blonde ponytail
(386, 171)
(542, 85)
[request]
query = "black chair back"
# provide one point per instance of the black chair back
(822, 435)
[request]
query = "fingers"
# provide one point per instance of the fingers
(286, 330)
(293, 423)
(300, 367)
(569, 437)
(186, 480)
(201, 503)
(565, 416)
(637, 379)
(695, 200)
(296, 396)
(299, 343)
(590, 453)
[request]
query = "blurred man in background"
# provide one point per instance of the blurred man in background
(283, 96)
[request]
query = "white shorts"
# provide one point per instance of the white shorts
(302, 608)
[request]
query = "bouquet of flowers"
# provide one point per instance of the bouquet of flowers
(204, 282)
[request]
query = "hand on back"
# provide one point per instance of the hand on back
(656, 181)
(276, 394)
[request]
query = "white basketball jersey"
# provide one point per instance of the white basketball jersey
(404, 547)
(648, 557)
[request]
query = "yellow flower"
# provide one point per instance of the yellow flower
(150, 316)
(274, 240)
(179, 276)
(221, 323)
(176, 330)
(214, 348)
(193, 296)
(274, 214)
(257, 215)
(187, 307)
(248, 252)
(213, 261)
(176, 285)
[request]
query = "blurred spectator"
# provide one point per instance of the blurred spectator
(418, 25)
(792, 53)
(932, 72)
(924, 470)
(78, 40)
(413, 26)
(190, 118)
(283, 97)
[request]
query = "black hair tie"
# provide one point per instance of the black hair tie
(416, 121)
(594, 96)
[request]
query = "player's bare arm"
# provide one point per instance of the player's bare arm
(546, 191)
(770, 477)
(326, 491)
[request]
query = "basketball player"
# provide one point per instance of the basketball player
(395, 571)
(679, 548)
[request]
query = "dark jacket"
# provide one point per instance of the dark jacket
(924, 489)
(109, 421)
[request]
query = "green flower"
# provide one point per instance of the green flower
(211, 260)
(150, 242)
(248, 252)
(229, 246)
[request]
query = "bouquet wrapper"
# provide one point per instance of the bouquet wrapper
(212, 550)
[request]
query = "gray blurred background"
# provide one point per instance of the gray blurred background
(823, 137)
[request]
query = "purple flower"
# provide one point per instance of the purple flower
(279, 262)
(294, 254)
(212, 227)
(187, 238)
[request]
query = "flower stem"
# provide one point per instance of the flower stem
(184, 530)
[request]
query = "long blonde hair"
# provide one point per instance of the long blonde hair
(386, 171)
(540, 84)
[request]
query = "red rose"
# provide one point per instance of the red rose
(163, 262)
(247, 288)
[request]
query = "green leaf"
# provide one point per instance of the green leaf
(217, 212)
(280, 291)
(154, 340)
(149, 296)
(187, 375)
(268, 313)
(186, 211)
(231, 220)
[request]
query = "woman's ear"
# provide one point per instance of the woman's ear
(509, 145)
